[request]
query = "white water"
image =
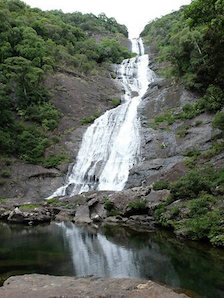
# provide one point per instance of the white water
(111, 145)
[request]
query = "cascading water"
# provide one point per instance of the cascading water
(111, 145)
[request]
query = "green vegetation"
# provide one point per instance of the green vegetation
(188, 111)
(194, 207)
(55, 202)
(162, 184)
(192, 40)
(54, 161)
(3, 201)
(115, 102)
(5, 174)
(91, 119)
(33, 44)
(138, 206)
(215, 149)
(29, 206)
(91, 23)
(111, 209)
(191, 153)
(219, 121)
(170, 118)
(183, 131)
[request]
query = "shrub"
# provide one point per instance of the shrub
(6, 174)
(162, 184)
(31, 144)
(88, 120)
(190, 162)
(217, 240)
(54, 161)
(45, 114)
(109, 206)
(165, 117)
(55, 139)
(111, 209)
(191, 153)
(215, 149)
(213, 100)
(218, 121)
(115, 102)
(190, 185)
(174, 211)
(138, 205)
(200, 205)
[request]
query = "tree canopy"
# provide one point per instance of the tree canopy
(192, 39)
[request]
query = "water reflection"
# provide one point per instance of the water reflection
(93, 253)
(111, 251)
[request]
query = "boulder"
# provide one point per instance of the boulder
(38, 215)
(82, 215)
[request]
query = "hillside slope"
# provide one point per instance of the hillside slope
(56, 78)
(182, 121)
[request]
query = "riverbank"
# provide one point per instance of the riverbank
(131, 207)
(36, 285)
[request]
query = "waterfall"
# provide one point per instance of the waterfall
(111, 145)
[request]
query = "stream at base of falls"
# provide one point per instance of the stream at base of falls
(111, 251)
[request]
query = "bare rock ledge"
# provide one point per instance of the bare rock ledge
(46, 286)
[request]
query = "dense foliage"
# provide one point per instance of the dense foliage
(195, 206)
(192, 40)
(33, 43)
(91, 23)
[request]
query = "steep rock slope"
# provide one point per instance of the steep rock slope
(77, 97)
(165, 141)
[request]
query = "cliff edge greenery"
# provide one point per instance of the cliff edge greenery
(33, 44)
(192, 41)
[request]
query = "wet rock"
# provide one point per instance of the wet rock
(134, 94)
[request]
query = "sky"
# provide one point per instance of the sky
(134, 14)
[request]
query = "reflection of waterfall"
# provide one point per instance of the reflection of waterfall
(111, 145)
(93, 253)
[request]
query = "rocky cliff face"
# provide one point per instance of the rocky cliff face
(77, 97)
(164, 141)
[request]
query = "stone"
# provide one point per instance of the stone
(39, 215)
(82, 215)
(155, 198)
(45, 286)
(93, 202)
(63, 215)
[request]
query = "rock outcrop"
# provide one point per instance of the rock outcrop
(35, 285)
(164, 142)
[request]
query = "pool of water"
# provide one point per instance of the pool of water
(111, 251)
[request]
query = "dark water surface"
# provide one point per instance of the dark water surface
(111, 251)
